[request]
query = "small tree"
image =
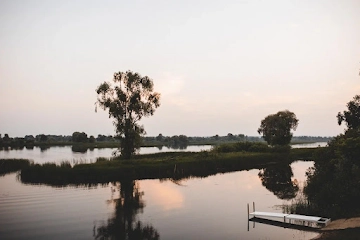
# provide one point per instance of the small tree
(160, 138)
(79, 137)
(128, 99)
(352, 116)
(276, 128)
(91, 139)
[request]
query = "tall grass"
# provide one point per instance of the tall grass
(12, 165)
(241, 147)
(174, 165)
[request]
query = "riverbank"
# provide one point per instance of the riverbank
(345, 228)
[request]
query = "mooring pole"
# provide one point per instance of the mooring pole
(253, 206)
(248, 226)
(248, 216)
(248, 211)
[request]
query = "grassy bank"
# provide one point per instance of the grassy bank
(175, 165)
(348, 234)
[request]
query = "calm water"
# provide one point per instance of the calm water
(309, 145)
(208, 208)
(65, 153)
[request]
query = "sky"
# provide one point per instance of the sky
(220, 66)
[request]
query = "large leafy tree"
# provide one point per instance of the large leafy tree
(128, 99)
(352, 116)
(276, 128)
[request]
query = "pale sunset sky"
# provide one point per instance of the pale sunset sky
(220, 66)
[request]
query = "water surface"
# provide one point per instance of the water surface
(200, 208)
(65, 153)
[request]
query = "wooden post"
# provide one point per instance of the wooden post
(248, 217)
(254, 215)
(248, 225)
(248, 211)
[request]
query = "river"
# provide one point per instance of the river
(214, 207)
(65, 153)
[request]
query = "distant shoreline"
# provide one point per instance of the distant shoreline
(117, 144)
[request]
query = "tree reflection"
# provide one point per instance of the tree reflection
(123, 225)
(79, 149)
(44, 148)
(277, 179)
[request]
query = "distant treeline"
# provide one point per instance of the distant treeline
(215, 140)
(52, 140)
(176, 141)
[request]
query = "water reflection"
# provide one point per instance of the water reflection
(44, 148)
(277, 179)
(66, 153)
(124, 225)
(79, 149)
(196, 208)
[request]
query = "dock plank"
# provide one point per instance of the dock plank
(288, 217)
(303, 217)
(268, 214)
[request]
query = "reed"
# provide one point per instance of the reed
(12, 165)
(174, 165)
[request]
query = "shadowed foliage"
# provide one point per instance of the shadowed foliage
(352, 115)
(333, 184)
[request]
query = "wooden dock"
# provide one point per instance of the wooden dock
(288, 218)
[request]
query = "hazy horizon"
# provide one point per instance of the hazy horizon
(221, 67)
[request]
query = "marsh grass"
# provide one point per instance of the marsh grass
(299, 205)
(12, 165)
(102, 159)
(242, 147)
(174, 165)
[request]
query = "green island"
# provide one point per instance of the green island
(173, 165)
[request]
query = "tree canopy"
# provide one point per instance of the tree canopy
(276, 128)
(352, 116)
(128, 99)
(79, 137)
